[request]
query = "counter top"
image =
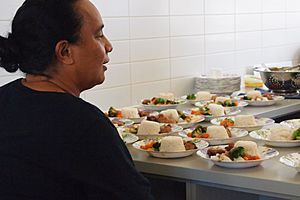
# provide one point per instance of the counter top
(270, 178)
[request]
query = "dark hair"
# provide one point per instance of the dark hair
(36, 28)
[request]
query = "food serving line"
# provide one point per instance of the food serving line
(270, 179)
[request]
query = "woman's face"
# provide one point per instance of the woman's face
(90, 53)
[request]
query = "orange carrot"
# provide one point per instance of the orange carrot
(204, 135)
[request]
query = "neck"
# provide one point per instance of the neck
(46, 83)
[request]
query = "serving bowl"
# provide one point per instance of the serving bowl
(281, 80)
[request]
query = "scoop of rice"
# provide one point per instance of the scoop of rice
(216, 110)
(244, 120)
(167, 95)
(249, 146)
(130, 112)
(253, 94)
(281, 133)
(221, 99)
(148, 128)
(203, 96)
(171, 144)
(171, 114)
(217, 132)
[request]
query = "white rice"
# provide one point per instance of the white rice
(167, 95)
(217, 132)
(130, 112)
(244, 120)
(148, 128)
(171, 114)
(253, 94)
(216, 110)
(171, 144)
(221, 99)
(203, 96)
(281, 133)
(249, 146)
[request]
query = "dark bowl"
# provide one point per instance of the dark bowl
(280, 81)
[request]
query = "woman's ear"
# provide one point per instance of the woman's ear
(63, 52)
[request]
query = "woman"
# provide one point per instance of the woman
(54, 145)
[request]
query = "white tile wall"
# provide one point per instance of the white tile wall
(161, 45)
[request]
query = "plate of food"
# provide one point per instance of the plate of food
(278, 136)
(241, 154)
(291, 160)
(294, 123)
(157, 103)
(131, 113)
(173, 116)
(170, 146)
(256, 98)
(214, 135)
(119, 122)
(247, 122)
(201, 96)
(212, 111)
(151, 129)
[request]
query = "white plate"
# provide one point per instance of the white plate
(200, 144)
(210, 117)
(194, 102)
(129, 138)
(263, 135)
(196, 119)
(265, 103)
(261, 122)
(126, 122)
(291, 160)
(163, 107)
(293, 123)
(237, 134)
(265, 152)
(137, 120)
(240, 105)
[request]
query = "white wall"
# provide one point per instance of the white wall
(160, 45)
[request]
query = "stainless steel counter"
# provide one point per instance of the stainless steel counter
(271, 178)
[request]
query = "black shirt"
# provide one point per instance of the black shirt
(56, 146)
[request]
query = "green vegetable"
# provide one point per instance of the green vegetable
(237, 152)
(160, 101)
(112, 112)
(228, 103)
(191, 97)
(296, 134)
(247, 98)
(156, 146)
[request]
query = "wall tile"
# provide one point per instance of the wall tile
(149, 71)
(148, 7)
(275, 54)
(219, 6)
(116, 75)
(118, 97)
(221, 60)
(274, 38)
(9, 8)
(149, 27)
(183, 86)
(149, 90)
(5, 27)
(293, 36)
(187, 66)
(273, 5)
(292, 5)
(109, 8)
(120, 53)
(7, 79)
(248, 58)
(248, 40)
(248, 6)
(219, 43)
(273, 21)
(219, 23)
(187, 46)
(293, 20)
(248, 22)
(116, 28)
(149, 49)
(186, 7)
(186, 25)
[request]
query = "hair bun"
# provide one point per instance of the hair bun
(9, 54)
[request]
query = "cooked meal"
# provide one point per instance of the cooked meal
(226, 102)
(168, 144)
(240, 151)
(172, 116)
(153, 128)
(211, 109)
(130, 112)
(256, 95)
(203, 96)
(244, 120)
(218, 132)
(158, 101)
(127, 112)
(284, 133)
